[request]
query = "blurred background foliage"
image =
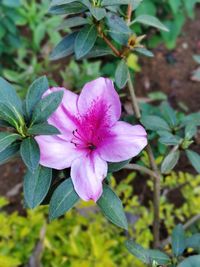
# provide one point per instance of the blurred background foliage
(88, 239)
(27, 37)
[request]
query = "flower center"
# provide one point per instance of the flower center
(81, 142)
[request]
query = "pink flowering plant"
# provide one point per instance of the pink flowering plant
(71, 143)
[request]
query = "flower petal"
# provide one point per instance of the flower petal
(124, 142)
(87, 174)
(64, 118)
(56, 153)
(100, 90)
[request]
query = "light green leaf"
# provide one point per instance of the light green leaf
(170, 161)
(144, 52)
(121, 74)
(192, 261)
(150, 21)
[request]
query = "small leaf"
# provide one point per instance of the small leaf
(150, 21)
(169, 139)
(118, 29)
(121, 74)
(190, 130)
(9, 153)
(169, 114)
(7, 139)
(35, 92)
(196, 58)
(46, 107)
(115, 167)
(67, 9)
(144, 52)
(194, 159)
(30, 153)
(65, 47)
(111, 207)
(63, 199)
(138, 251)
(73, 22)
(43, 129)
(178, 240)
(85, 41)
(193, 242)
(154, 123)
(7, 114)
(98, 12)
(36, 186)
(170, 161)
(99, 51)
(192, 261)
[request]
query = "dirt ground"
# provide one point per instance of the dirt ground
(158, 74)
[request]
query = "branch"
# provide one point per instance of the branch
(129, 13)
(137, 167)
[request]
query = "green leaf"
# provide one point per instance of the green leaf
(46, 107)
(194, 159)
(169, 139)
(121, 74)
(61, 2)
(147, 256)
(154, 123)
(194, 118)
(43, 129)
(115, 167)
(9, 153)
(35, 92)
(118, 29)
(98, 12)
(67, 9)
(30, 153)
(7, 114)
(73, 22)
(196, 58)
(170, 161)
(135, 3)
(11, 3)
(193, 242)
(144, 52)
(150, 21)
(65, 47)
(192, 261)
(7, 139)
(85, 41)
(36, 186)
(190, 130)
(63, 199)
(178, 240)
(99, 51)
(169, 114)
(175, 5)
(111, 207)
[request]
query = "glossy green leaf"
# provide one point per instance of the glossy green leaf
(178, 240)
(193, 242)
(85, 41)
(67, 9)
(99, 51)
(154, 123)
(150, 21)
(7, 114)
(36, 186)
(118, 29)
(98, 12)
(121, 74)
(43, 129)
(115, 167)
(190, 130)
(169, 114)
(30, 153)
(63, 199)
(65, 47)
(194, 159)
(73, 22)
(147, 256)
(170, 161)
(144, 51)
(35, 92)
(111, 207)
(192, 261)
(7, 139)
(46, 107)
(9, 153)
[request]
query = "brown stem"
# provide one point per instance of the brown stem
(129, 13)
(108, 42)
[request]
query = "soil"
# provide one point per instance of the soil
(168, 71)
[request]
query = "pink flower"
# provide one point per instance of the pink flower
(91, 136)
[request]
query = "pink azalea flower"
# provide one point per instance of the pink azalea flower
(91, 136)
